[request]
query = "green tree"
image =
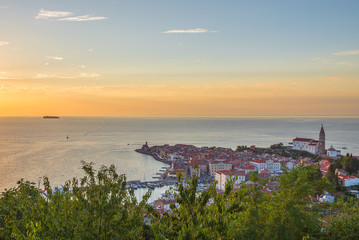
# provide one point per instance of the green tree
(343, 222)
(17, 208)
(98, 206)
(332, 177)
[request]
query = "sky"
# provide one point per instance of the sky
(179, 58)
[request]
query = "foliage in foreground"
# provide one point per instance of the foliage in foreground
(96, 207)
(99, 206)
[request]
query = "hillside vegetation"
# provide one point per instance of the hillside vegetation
(98, 206)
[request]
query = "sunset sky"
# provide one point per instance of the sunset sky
(179, 58)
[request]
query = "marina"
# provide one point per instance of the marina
(150, 184)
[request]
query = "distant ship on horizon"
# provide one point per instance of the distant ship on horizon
(53, 117)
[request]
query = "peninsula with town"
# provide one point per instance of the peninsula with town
(221, 164)
(298, 191)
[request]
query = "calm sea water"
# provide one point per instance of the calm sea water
(33, 147)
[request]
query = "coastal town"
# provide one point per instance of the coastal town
(220, 164)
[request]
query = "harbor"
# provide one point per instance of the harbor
(151, 184)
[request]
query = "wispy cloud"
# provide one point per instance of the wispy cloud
(347, 53)
(323, 60)
(81, 18)
(55, 58)
(52, 14)
(2, 43)
(195, 30)
(64, 76)
(40, 75)
(65, 16)
(346, 63)
(328, 60)
(89, 75)
(8, 76)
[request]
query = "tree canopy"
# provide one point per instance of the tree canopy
(98, 206)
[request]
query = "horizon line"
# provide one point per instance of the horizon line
(189, 116)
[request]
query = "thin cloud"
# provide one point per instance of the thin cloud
(8, 76)
(81, 18)
(2, 43)
(63, 76)
(55, 58)
(65, 16)
(346, 63)
(347, 53)
(52, 14)
(195, 30)
(40, 75)
(89, 75)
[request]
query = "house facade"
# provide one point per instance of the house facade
(222, 177)
(332, 152)
(311, 145)
(270, 165)
(306, 144)
(216, 166)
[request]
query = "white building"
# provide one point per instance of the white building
(351, 181)
(223, 176)
(250, 168)
(172, 156)
(327, 198)
(194, 170)
(306, 144)
(270, 165)
(332, 152)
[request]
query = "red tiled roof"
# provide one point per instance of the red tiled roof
(200, 162)
(258, 161)
(250, 167)
(233, 172)
(303, 139)
(218, 162)
(177, 167)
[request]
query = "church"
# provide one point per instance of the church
(311, 145)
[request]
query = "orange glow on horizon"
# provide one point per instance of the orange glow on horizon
(265, 98)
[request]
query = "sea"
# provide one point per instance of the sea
(33, 147)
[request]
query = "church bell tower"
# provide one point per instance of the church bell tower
(321, 147)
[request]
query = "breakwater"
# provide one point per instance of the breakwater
(154, 155)
(162, 176)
